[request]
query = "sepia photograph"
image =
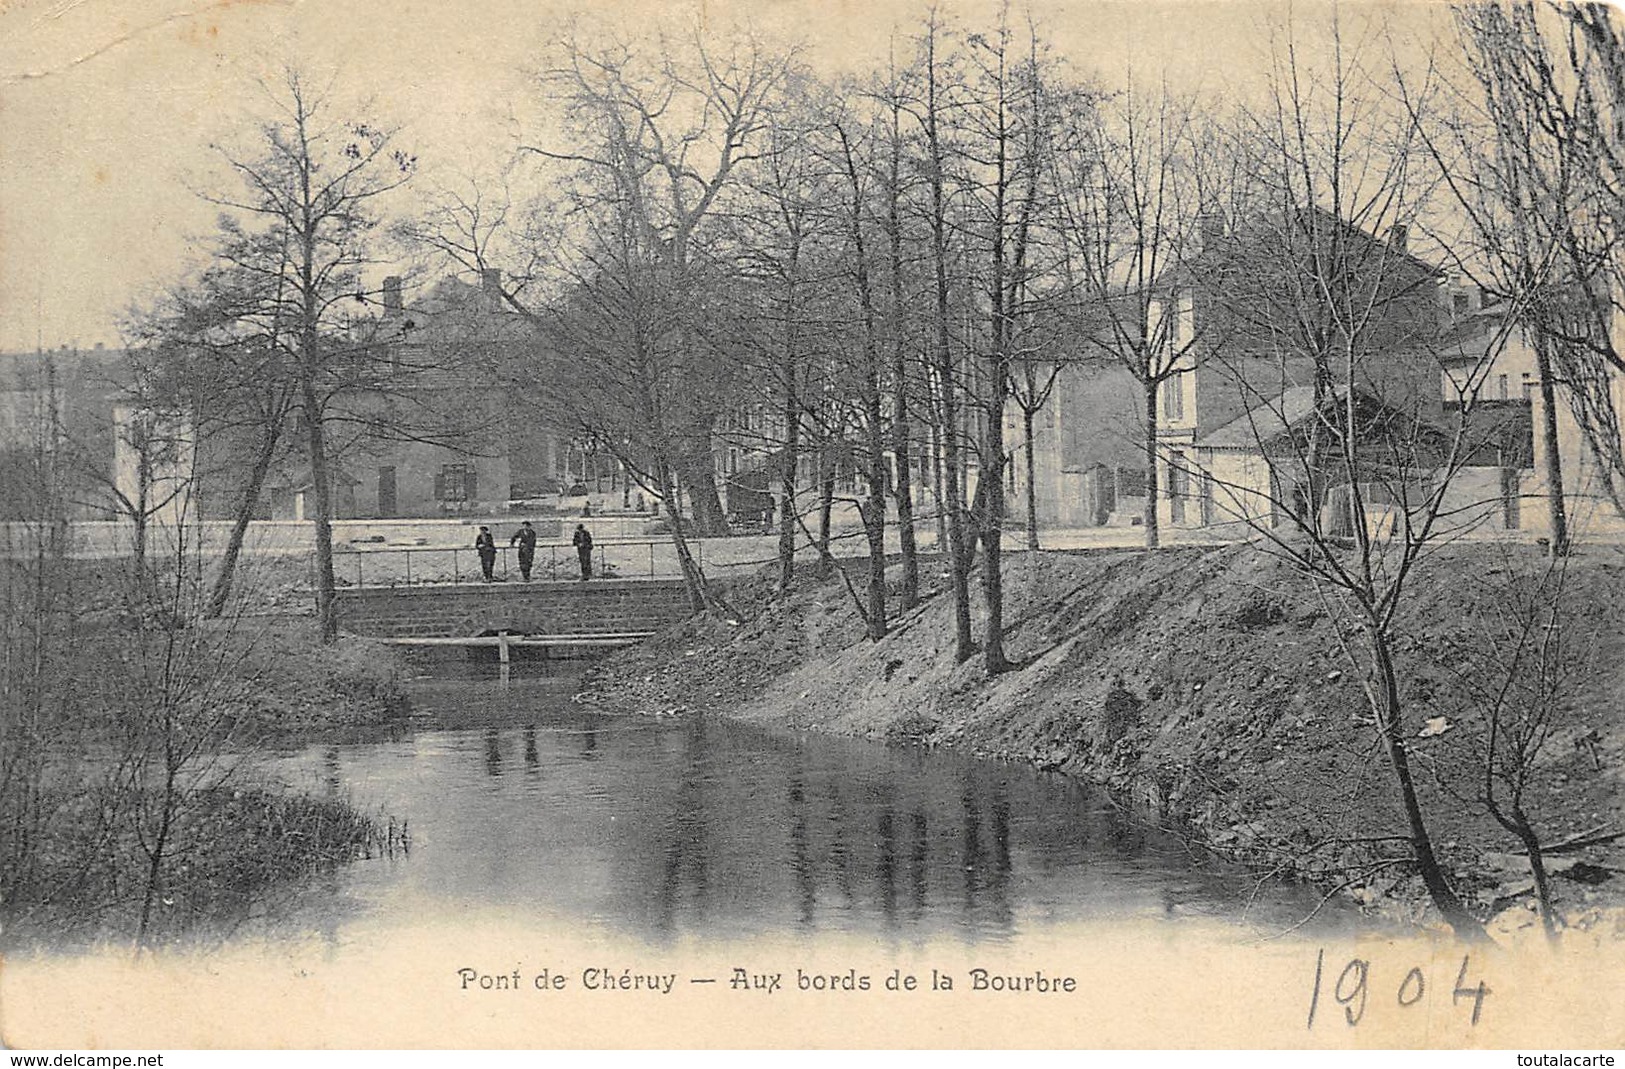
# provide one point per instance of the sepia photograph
(810, 524)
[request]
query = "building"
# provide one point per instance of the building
(429, 425)
(1237, 323)
(57, 432)
(430, 429)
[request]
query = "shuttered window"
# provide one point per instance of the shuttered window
(456, 482)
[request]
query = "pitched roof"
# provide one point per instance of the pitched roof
(1270, 239)
(1464, 341)
(1264, 422)
(1294, 407)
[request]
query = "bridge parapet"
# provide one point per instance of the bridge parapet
(553, 608)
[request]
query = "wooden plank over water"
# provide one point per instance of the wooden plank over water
(620, 638)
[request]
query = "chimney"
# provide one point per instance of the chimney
(1399, 236)
(392, 295)
(491, 282)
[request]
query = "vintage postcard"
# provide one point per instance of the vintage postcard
(802, 524)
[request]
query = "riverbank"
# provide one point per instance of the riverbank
(126, 812)
(1211, 687)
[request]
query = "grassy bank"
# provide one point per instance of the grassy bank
(86, 878)
(1211, 686)
(128, 811)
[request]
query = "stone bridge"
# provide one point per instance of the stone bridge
(560, 609)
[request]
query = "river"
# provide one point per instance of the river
(524, 806)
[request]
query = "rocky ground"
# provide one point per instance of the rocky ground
(1216, 687)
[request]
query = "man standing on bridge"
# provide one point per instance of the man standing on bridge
(526, 538)
(486, 546)
(583, 543)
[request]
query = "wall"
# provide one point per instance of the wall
(1092, 418)
(1240, 485)
(538, 608)
(1585, 475)
(416, 465)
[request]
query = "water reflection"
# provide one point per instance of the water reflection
(701, 827)
(493, 753)
(533, 760)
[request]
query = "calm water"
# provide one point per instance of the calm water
(525, 807)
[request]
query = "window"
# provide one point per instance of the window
(1173, 396)
(1501, 387)
(1179, 477)
(1528, 385)
(1460, 303)
(455, 482)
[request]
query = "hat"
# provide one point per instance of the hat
(525, 523)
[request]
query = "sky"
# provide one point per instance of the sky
(108, 108)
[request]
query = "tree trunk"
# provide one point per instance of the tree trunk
(903, 478)
(699, 595)
(1152, 537)
(903, 492)
(954, 498)
(872, 510)
(1525, 831)
(699, 479)
(826, 505)
(1027, 415)
(874, 527)
(321, 490)
(1464, 924)
(221, 591)
(937, 481)
(155, 863)
(992, 526)
(789, 511)
(953, 508)
(1557, 508)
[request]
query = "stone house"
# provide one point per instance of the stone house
(435, 433)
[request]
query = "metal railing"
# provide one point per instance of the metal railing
(433, 565)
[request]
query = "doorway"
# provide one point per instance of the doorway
(386, 492)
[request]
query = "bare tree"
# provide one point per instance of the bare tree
(655, 145)
(310, 187)
(1133, 220)
(211, 350)
(781, 225)
(932, 113)
(1515, 672)
(1334, 357)
(871, 383)
(1515, 206)
(36, 623)
(1538, 161)
(893, 98)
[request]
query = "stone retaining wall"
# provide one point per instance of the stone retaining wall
(553, 608)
